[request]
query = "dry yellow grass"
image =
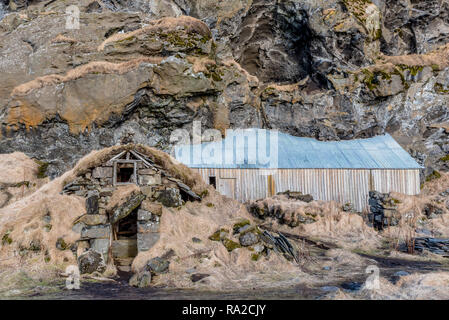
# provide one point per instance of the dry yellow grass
(252, 80)
(164, 25)
(438, 57)
(102, 67)
(18, 177)
(63, 39)
(228, 270)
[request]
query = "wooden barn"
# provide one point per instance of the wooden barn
(251, 164)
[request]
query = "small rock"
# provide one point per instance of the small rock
(395, 278)
(157, 265)
(348, 207)
(91, 261)
(219, 235)
(191, 270)
(46, 219)
(198, 276)
(141, 280)
(61, 244)
(352, 286)
(196, 240)
(445, 193)
(258, 248)
(248, 239)
(432, 211)
(35, 245)
(330, 288)
(401, 273)
(241, 226)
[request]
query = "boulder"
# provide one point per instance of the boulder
(141, 280)
(126, 208)
(248, 239)
(157, 265)
(170, 197)
(91, 261)
(101, 246)
(198, 276)
(61, 244)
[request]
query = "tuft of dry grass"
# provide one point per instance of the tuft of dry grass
(63, 39)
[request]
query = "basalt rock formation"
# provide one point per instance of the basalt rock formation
(138, 70)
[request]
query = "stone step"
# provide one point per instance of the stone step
(123, 261)
(124, 248)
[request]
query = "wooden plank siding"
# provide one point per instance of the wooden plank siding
(342, 185)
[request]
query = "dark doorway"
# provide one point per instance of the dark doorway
(213, 181)
(127, 227)
(124, 245)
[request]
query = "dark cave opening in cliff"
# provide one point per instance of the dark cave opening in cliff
(274, 44)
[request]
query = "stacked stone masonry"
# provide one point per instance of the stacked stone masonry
(96, 227)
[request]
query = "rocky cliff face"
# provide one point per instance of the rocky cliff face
(137, 70)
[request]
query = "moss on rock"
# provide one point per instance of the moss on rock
(230, 244)
(219, 235)
(42, 169)
(434, 175)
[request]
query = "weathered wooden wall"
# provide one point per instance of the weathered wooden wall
(342, 185)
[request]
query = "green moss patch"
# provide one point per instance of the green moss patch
(230, 245)
(6, 239)
(439, 88)
(255, 256)
(42, 169)
(219, 235)
(434, 175)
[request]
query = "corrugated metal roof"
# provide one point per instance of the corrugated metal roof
(259, 148)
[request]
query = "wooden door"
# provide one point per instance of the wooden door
(226, 186)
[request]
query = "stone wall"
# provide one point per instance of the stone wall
(383, 210)
(156, 189)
